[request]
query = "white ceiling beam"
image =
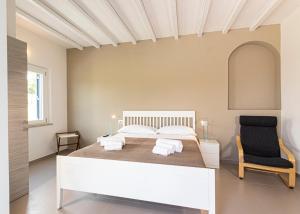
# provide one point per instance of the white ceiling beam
(265, 13)
(121, 21)
(142, 11)
(172, 6)
(204, 9)
(22, 14)
(45, 8)
(234, 14)
(85, 12)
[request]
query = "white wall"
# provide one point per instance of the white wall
(290, 77)
(45, 53)
(4, 185)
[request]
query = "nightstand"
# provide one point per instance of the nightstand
(210, 150)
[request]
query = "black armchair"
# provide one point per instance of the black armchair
(259, 148)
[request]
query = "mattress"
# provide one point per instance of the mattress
(140, 150)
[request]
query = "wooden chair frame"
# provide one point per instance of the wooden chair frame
(291, 172)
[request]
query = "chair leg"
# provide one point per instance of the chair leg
(289, 178)
(241, 171)
(292, 178)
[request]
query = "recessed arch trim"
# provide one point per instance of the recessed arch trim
(254, 77)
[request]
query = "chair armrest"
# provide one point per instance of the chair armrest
(286, 151)
(240, 149)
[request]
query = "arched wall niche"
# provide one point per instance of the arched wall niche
(254, 77)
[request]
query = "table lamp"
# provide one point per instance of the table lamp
(204, 124)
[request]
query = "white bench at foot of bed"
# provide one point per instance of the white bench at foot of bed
(167, 184)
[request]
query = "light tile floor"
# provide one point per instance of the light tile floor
(257, 193)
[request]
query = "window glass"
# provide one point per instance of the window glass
(37, 94)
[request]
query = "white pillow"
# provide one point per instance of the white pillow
(137, 129)
(177, 130)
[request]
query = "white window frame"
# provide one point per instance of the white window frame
(46, 98)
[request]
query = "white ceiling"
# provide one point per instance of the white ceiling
(83, 23)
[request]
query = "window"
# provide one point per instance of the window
(37, 84)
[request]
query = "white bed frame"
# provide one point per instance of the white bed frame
(167, 184)
(159, 119)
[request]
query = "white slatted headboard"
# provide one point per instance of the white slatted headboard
(159, 119)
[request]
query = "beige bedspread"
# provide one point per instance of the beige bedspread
(140, 150)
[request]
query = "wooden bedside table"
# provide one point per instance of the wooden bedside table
(210, 150)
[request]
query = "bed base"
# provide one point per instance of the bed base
(174, 185)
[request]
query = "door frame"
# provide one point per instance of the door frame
(4, 165)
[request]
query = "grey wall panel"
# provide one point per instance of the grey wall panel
(17, 117)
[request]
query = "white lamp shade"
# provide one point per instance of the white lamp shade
(204, 123)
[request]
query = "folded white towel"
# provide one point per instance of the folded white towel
(107, 142)
(171, 147)
(111, 139)
(176, 143)
(113, 146)
(160, 150)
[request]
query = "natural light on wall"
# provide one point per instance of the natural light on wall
(37, 94)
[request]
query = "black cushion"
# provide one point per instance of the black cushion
(268, 161)
(259, 136)
(262, 121)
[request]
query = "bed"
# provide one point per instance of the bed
(135, 173)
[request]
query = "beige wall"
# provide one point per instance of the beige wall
(45, 53)
(186, 74)
(290, 76)
(11, 17)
